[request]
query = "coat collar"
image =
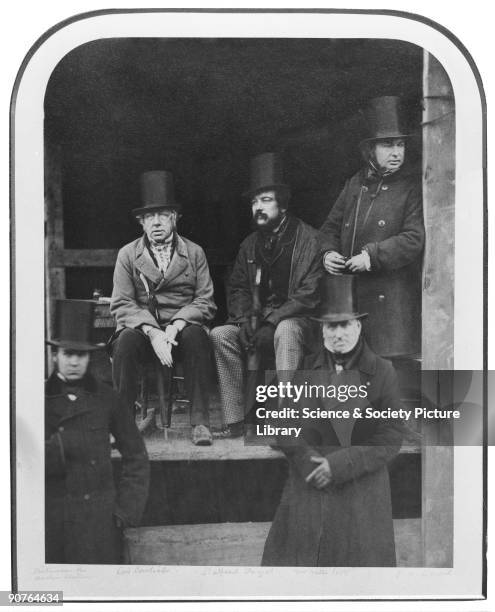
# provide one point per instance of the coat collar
(54, 385)
(144, 263)
(366, 362)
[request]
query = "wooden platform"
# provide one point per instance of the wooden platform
(239, 544)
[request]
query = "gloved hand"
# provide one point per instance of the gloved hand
(245, 335)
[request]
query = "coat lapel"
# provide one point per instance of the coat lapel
(177, 266)
(145, 264)
(366, 363)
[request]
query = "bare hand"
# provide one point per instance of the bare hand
(162, 348)
(321, 476)
(357, 263)
(334, 262)
(171, 333)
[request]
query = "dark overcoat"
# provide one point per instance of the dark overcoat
(81, 501)
(349, 523)
(305, 272)
(390, 226)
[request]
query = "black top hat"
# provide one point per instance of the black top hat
(266, 174)
(338, 301)
(74, 320)
(157, 191)
(384, 119)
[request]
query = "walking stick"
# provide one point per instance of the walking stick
(253, 358)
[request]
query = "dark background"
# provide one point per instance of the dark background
(202, 108)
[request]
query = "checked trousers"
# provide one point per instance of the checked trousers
(292, 339)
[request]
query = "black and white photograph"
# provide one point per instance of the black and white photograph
(250, 321)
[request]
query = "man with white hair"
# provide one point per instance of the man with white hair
(162, 301)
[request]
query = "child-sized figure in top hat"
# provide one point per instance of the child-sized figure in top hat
(375, 231)
(162, 301)
(84, 511)
(336, 509)
(271, 294)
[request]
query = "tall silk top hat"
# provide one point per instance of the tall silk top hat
(157, 191)
(73, 325)
(266, 174)
(338, 300)
(384, 119)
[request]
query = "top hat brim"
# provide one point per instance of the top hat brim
(153, 207)
(384, 137)
(76, 346)
(249, 193)
(339, 317)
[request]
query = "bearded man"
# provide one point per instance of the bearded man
(271, 293)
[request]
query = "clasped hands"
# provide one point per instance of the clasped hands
(321, 476)
(250, 338)
(335, 263)
(162, 343)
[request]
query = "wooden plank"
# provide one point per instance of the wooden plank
(105, 258)
(84, 258)
(230, 544)
(438, 307)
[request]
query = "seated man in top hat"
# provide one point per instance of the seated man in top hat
(336, 507)
(271, 293)
(375, 231)
(163, 300)
(84, 511)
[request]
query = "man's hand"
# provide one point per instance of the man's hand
(245, 335)
(162, 347)
(171, 332)
(334, 262)
(321, 476)
(263, 336)
(358, 263)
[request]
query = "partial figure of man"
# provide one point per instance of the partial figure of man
(375, 230)
(336, 508)
(271, 293)
(162, 301)
(85, 512)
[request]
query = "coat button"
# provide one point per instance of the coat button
(365, 188)
(87, 496)
(381, 223)
(381, 298)
(93, 462)
(346, 224)
(72, 397)
(384, 187)
(61, 428)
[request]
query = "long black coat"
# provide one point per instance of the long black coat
(391, 228)
(81, 503)
(349, 523)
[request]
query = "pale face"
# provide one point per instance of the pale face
(267, 213)
(159, 224)
(71, 364)
(341, 337)
(389, 154)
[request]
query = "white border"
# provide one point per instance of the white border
(29, 276)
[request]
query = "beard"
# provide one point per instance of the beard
(269, 224)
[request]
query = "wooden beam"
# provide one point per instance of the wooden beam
(105, 258)
(438, 309)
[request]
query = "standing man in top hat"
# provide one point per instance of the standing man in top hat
(84, 511)
(375, 230)
(271, 293)
(163, 301)
(336, 508)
